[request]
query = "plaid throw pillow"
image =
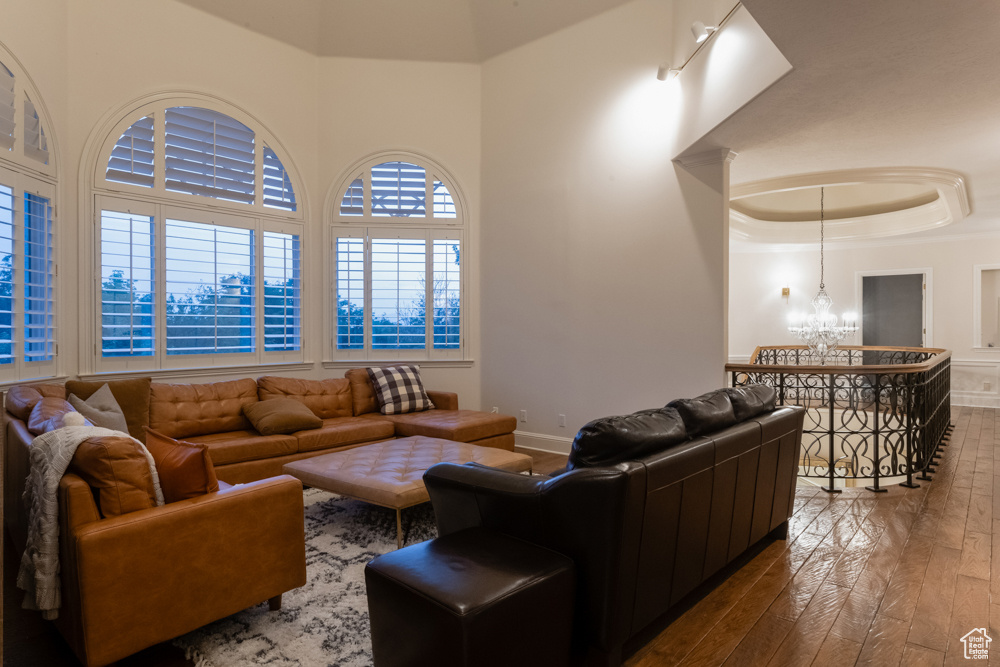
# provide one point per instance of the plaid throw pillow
(398, 389)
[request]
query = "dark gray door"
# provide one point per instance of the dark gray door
(892, 310)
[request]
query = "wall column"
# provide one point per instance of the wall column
(705, 187)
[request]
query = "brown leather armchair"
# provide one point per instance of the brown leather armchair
(142, 578)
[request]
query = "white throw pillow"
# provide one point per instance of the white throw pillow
(101, 409)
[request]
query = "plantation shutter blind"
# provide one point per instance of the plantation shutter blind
(127, 280)
(282, 292)
(447, 314)
(8, 110)
(398, 293)
(350, 253)
(35, 145)
(210, 295)
(6, 274)
(444, 205)
(39, 278)
(353, 202)
(278, 192)
(132, 157)
(209, 154)
(399, 190)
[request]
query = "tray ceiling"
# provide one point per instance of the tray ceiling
(435, 30)
(857, 204)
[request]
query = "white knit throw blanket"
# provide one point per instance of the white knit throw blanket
(50, 456)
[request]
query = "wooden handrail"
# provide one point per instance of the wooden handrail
(940, 355)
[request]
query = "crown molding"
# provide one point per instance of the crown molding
(751, 247)
(950, 206)
(716, 156)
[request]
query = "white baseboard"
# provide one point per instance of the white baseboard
(543, 443)
(975, 399)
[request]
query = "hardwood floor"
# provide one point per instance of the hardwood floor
(870, 579)
(895, 578)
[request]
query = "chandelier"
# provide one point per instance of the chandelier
(820, 331)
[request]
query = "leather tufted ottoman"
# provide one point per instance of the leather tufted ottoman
(390, 473)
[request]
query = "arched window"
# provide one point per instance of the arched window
(398, 232)
(27, 230)
(200, 252)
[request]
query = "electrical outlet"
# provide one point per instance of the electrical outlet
(524, 415)
(986, 386)
(562, 420)
(495, 410)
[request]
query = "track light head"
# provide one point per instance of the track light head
(666, 73)
(701, 31)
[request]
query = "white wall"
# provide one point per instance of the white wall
(758, 313)
(602, 286)
(95, 56)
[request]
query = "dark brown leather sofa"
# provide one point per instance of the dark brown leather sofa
(651, 505)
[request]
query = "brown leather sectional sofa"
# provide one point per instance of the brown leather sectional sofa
(138, 579)
(211, 414)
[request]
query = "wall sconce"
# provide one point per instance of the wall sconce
(666, 73)
(701, 31)
(785, 292)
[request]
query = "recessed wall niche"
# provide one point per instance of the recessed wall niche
(986, 303)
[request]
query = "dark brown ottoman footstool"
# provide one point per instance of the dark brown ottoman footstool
(475, 598)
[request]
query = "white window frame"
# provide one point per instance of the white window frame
(21, 369)
(99, 194)
(367, 227)
(160, 360)
(26, 174)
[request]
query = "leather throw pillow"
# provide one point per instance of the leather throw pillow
(185, 468)
(47, 415)
(277, 416)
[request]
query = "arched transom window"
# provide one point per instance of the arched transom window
(398, 233)
(200, 243)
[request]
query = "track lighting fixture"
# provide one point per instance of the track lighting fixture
(666, 73)
(701, 31)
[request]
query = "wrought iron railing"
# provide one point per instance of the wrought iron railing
(873, 413)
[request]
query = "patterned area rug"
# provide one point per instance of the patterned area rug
(326, 621)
